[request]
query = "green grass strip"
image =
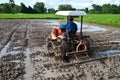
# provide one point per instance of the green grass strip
(106, 19)
(30, 16)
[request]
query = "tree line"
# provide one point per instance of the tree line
(39, 7)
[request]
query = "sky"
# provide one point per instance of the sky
(78, 4)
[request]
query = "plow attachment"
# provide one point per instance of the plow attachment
(83, 61)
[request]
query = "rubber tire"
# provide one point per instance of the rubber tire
(64, 50)
(88, 44)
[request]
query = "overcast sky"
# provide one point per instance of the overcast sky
(79, 4)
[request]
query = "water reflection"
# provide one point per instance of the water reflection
(86, 27)
(89, 28)
(110, 53)
(4, 50)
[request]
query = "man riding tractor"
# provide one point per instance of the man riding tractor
(69, 28)
(64, 41)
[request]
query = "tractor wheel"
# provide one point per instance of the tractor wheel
(64, 50)
(91, 45)
(88, 43)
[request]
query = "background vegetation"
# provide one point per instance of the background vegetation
(31, 16)
(39, 7)
(108, 14)
(107, 19)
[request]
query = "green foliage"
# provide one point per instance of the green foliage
(114, 9)
(66, 7)
(17, 9)
(51, 10)
(30, 10)
(39, 7)
(106, 8)
(23, 8)
(1, 8)
(86, 10)
(11, 4)
(96, 9)
(111, 9)
(6, 8)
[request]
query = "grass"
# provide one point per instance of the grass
(107, 19)
(30, 16)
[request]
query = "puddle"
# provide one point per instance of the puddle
(14, 52)
(110, 53)
(115, 41)
(17, 47)
(4, 49)
(28, 66)
(88, 28)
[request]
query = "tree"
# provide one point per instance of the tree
(106, 8)
(30, 9)
(12, 4)
(97, 9)
(6, 8)
(23, 8)
(39, 7)
(1, 8)
(111, 9)
(86, 10)
(17, 9)
(51, 10)
(45, 10)
(114, 9)
(66, 7)
(119, 9)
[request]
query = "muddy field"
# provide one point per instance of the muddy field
(23, 54)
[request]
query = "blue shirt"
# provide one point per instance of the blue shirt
(70, 26)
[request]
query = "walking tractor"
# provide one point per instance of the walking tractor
(70, 44)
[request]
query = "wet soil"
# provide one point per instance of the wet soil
(23, 54)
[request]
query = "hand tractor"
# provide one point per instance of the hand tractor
(66, 46)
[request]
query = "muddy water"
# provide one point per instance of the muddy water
(29, 68)
(110, 53)
(89, 27)
(4, 50)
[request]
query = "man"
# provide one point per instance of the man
(70, 28)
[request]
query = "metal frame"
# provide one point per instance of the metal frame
(73, 14)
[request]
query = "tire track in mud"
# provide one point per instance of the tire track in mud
(12, 64)
(9, 37)
(28, 66)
